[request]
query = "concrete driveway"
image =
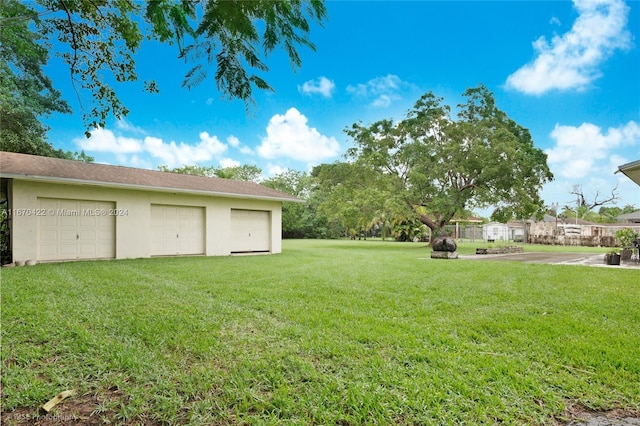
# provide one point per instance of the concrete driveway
(589, 259)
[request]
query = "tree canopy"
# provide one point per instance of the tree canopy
(244, 172)
(300, 220)
(26, 93)
(98, 40)
(438, 165)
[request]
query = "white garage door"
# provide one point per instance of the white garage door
(75, 229)
(250, 231)
(176, 230)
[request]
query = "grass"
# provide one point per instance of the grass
(328, 332)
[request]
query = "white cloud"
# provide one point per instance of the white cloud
(554, 20)
(274, 170)
(384, 90)
(247, 150)
(178, 154)
(586, 149)
(376, 86)
(233, 141)
(382, 101)
(228, 162)
(323, 86)
(571, 61)
(171, 154)
(125, 126)
(136, 161)
(289, 135)
(103, 140)
(358, 90)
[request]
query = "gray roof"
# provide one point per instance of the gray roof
(629, 216)
(32, 167)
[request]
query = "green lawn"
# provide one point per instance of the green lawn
(328, 332)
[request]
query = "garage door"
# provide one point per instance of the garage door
(250, 231)
(176, 230)
(75, 229)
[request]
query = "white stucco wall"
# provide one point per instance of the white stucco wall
(495, 231)
(132, 230)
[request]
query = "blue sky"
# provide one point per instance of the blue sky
(567, 71)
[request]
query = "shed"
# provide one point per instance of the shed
(503, 231)
(495, 231)
(67, 210)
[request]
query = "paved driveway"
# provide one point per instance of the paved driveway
(589, 259)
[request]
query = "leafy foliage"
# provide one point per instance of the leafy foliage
(194, 170)
(627, 237)
(353, 195)
(98, 40)
(609, 214)
(243, 172)
(439, 166)
(26, 94)
(300, 220)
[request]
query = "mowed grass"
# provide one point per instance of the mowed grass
(328, 332)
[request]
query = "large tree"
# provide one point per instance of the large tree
(27, 95)
(98, 40)
(440, 165)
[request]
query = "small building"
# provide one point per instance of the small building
(67, 210)
(633, 217)
(495, 231)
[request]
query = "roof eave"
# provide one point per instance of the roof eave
(146, 187)
(626, 167)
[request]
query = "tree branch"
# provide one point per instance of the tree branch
(74, 46)
(582, 200)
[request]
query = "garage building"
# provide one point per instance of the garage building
(69, 210)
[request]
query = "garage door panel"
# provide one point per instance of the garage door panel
(86, 251)
(49, 235)
(67, 235)
(70, 231)
(177, 230)
(49, 220)
(48, 251)
(67, 221)
(86, 235)
(104, 235)
(66, 252)
(250, 231)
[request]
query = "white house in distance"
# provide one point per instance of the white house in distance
(495, 231)
(68, 210)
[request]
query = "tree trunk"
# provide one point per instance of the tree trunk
(435, 225)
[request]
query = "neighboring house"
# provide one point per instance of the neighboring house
(503, 231)
(633, 217)
(65, 210)
(572, 232)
